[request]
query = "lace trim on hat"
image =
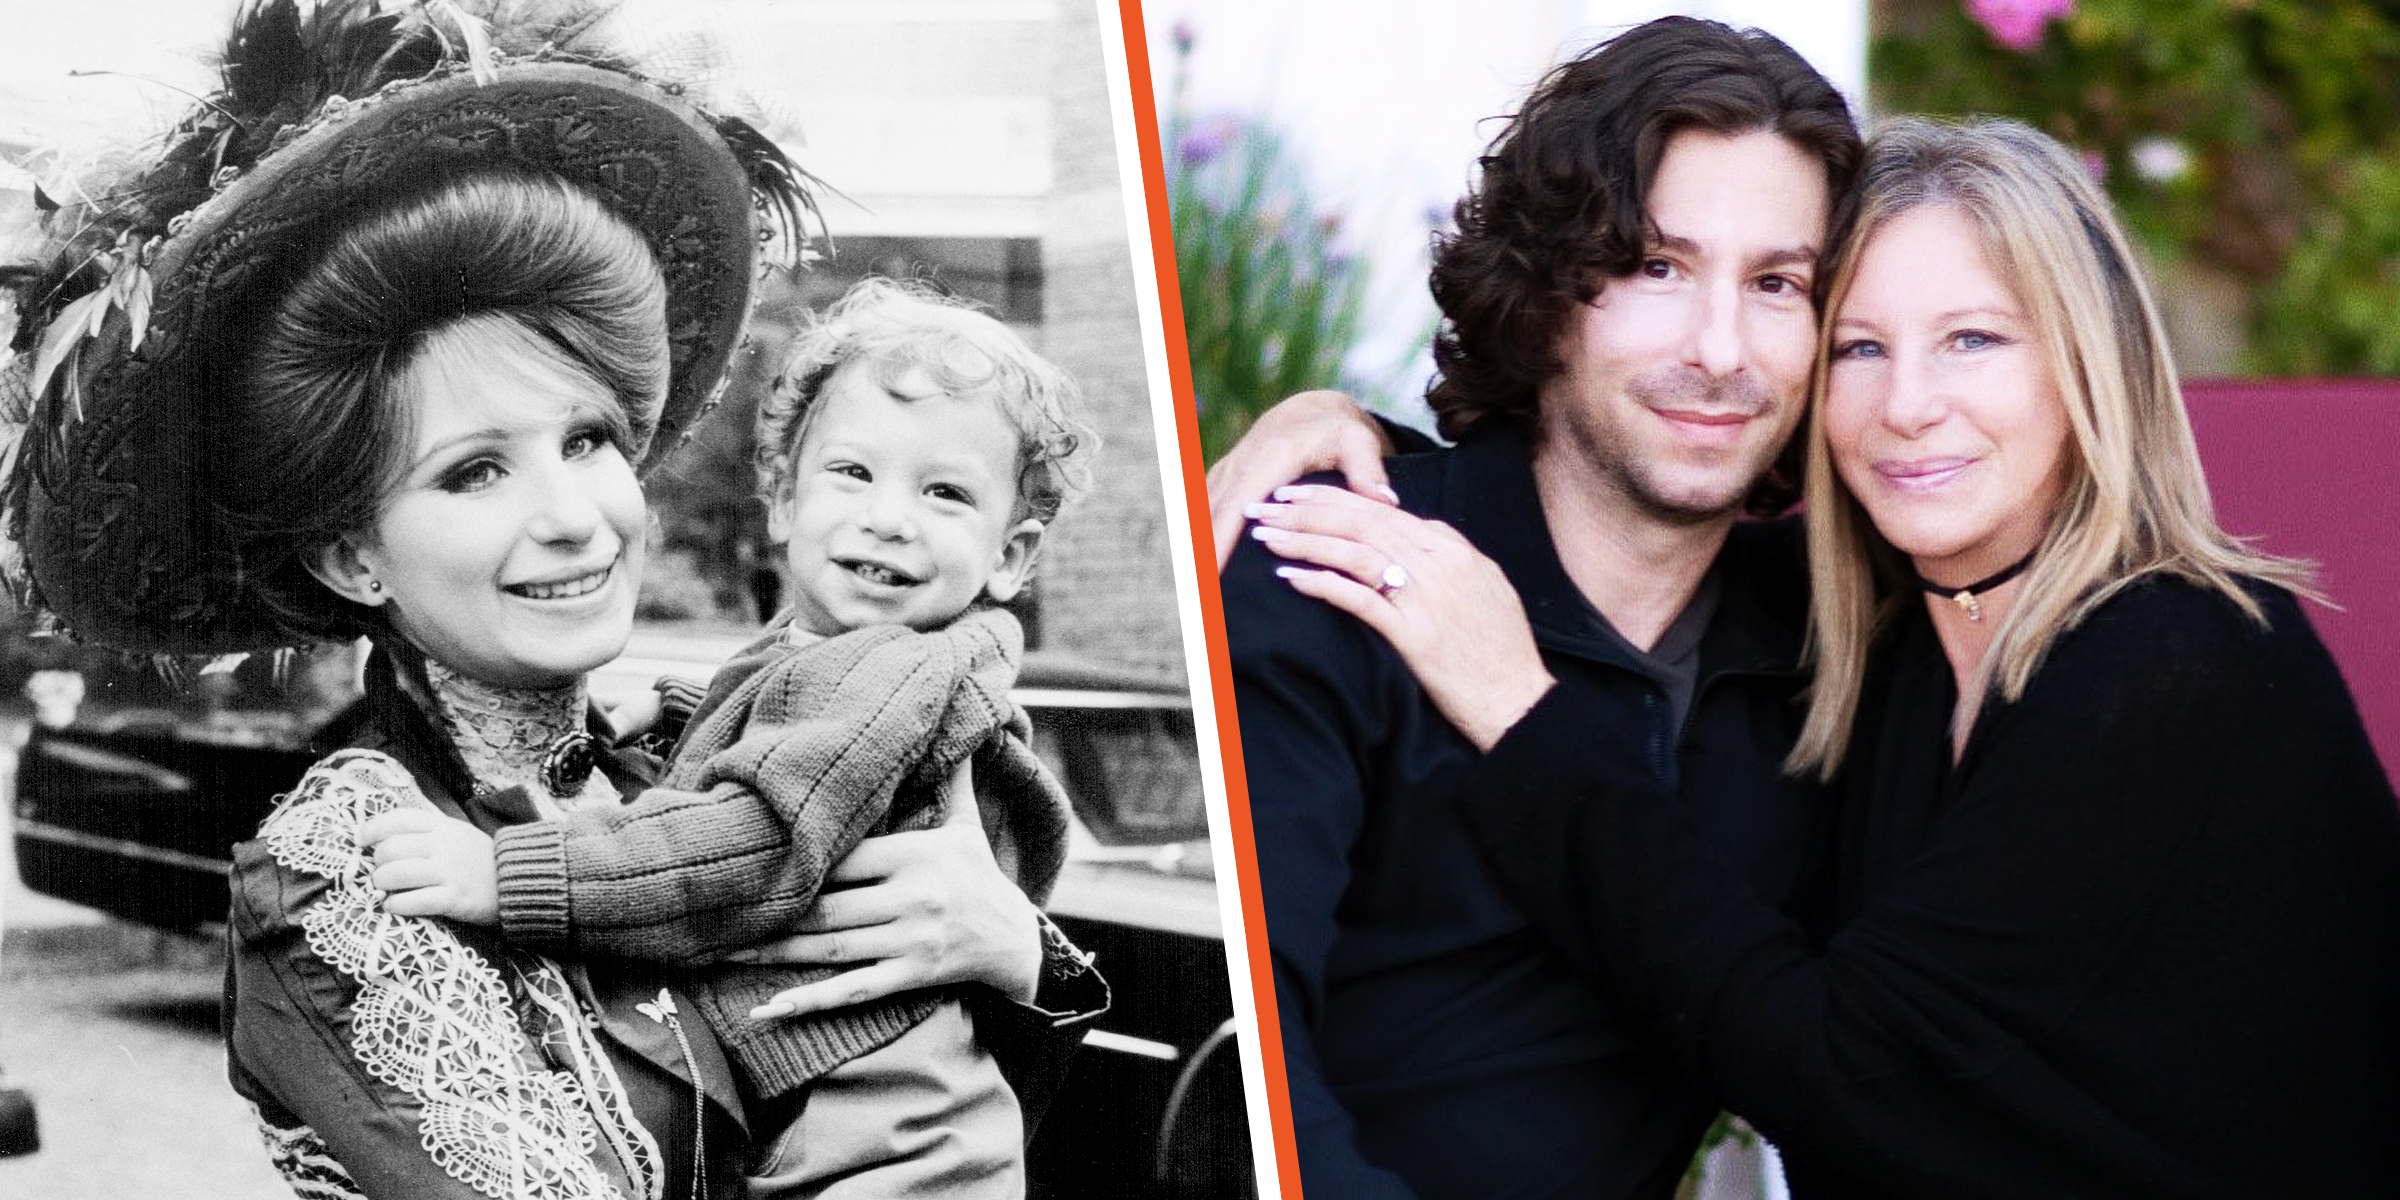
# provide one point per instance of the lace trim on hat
(436, 1020)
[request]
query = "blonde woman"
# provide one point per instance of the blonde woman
(2113, 906)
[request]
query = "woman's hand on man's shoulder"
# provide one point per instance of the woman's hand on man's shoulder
(1308, 432)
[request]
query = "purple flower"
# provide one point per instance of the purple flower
(1206, 139)
(2017, 24)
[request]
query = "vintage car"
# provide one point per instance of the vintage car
(130, 807)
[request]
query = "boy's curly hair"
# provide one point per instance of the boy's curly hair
(897, 326)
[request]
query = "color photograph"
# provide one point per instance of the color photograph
(1806, 587)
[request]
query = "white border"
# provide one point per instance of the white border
(1187, 588)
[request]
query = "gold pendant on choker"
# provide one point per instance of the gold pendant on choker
(1966, 597)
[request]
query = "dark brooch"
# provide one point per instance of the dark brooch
(567, 764)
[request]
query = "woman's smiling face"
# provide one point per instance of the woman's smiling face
(510, 549)
(1940, 407)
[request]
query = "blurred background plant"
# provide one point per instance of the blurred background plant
(1271, 304)
(2253, 145)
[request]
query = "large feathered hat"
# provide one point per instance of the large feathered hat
(134, 322)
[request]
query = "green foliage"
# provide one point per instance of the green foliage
(2336, 307)
(2254, 137)
(1270, 305)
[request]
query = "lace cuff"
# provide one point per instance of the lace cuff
(1071, 990)
(299, 1155)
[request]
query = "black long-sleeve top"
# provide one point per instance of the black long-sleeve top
(1432, 1046)
(2143, 939)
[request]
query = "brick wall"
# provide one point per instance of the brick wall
(1108, 590)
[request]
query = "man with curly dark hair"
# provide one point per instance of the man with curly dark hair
(1629, 323)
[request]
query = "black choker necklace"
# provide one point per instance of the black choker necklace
(1965, 597)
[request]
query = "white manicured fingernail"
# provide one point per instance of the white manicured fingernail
(1268, 533)
(1290, 572)
(1289, 491)
(1387, 493)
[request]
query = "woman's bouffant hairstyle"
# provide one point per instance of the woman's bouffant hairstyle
(2134, 501)
(1557, 210)
(896, 327)
(323, 425)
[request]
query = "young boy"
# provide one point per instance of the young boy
(911, 457)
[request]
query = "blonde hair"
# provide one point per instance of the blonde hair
(896, 327)
(2134, 501)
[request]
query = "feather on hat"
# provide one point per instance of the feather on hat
(128, 322)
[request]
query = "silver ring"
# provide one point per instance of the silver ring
(1394, 578)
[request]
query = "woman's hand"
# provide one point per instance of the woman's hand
(1312, 431)
(432, 865)
(913, 910)
(632, 716)
(1445, 607)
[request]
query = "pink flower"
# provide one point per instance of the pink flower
(2017, 24)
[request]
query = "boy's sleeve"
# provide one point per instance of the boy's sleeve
(779, 776)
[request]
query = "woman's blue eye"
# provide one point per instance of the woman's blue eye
(1975, 339)
(1861, 348)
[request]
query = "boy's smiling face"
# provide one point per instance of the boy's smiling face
(902, 504)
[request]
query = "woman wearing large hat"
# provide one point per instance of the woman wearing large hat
(414, 289)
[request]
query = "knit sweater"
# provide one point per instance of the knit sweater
(795, 755)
